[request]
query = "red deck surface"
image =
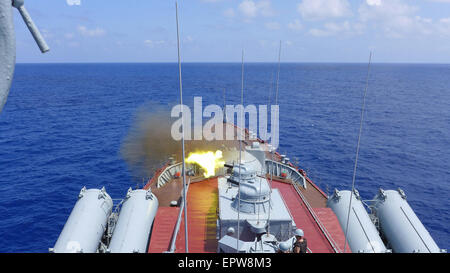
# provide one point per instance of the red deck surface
(202, 203)
(317, 241)
(202, 216)
(331, 223)
(165, 221)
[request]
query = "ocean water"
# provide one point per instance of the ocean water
(63, 125)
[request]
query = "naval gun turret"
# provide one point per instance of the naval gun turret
(253, 196)
(253, 217)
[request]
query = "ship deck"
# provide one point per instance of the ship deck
(321, 226)
(202, 220)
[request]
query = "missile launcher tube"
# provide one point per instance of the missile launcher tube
(362, 234)
(134, 223)
(86, 224)
(400, 225)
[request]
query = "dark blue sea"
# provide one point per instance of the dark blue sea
(63, 125)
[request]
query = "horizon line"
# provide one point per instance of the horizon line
(223, 62)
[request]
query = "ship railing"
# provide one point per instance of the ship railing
(328, 236)
(168, 173)
(275, 168)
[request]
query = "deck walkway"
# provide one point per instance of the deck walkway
(202, 221)
(165, 220)
(331, 223)
(317, 241)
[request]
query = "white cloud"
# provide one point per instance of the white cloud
(443, 27)
(229, 12)
(152, 43)
(396, 18)
(73, 44)
(321, 9)
(248, 8)
(373, 2)
(399, 19)
(69, 36)
(263, 43)
(265, 8)
(73, 2)
(392, 18)
(272, 25)
(95, 32)
(46, 33)
(385, 9)
(330, 29)
(251, 9)
(296, 25)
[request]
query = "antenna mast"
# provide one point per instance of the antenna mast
(182, 134)
(273, 151)
(240, 147)
(357, 148)
(278, 74)
(224, 106)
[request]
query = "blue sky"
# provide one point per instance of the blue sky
(217, 30)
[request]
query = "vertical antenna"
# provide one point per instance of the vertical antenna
(182, 134)
(270, 89)
(271, 156)
(278, 74)
(240, 147)
(224, 106)
(269, 99)
(357, 148)
(272, 151)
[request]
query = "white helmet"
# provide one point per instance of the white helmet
(299, 232)
(284, 246)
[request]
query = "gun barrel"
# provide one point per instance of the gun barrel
(31, 26)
